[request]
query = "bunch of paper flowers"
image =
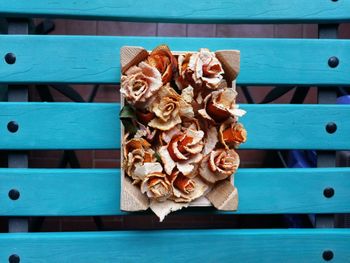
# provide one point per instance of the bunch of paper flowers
(181, 129)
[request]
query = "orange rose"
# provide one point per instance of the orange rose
(232, 134)
(219, 165)
(162, 59)
(186, 189)
(182, 150)
(220, 105)
(140, 83)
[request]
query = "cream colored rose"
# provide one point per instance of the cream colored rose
(156, 186)
(169, 107)
(183, 151)
(140, 83)
(136, 152)
(219, 165)
(200, 69)
(220, 105)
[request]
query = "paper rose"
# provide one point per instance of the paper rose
(183, 151)
(186, 189)
(220, 105)
(219, 165)
(232, 134)
(156, 186)
(168, 108)
(140, 83)
(200, 69)
(162, 59)
(136, 151)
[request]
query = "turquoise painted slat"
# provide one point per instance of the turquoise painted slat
(296, 126)
(95, 59)
(96, 126)
(60, 125)
(78, 192)
(197, 246)
(234, 11)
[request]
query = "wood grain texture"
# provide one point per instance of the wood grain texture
(250, 246)
(91, 59)
(97, 126)
(220, 11)
(73, 192)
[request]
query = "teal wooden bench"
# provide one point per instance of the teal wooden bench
(24, 192)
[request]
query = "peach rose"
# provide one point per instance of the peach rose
(169, 107)
(219, 165)
(182, 150)
(200, 69)
(140, 83)
(220, 105)
(156, 186)
(232, 134)
(162, 59)
(136, 151)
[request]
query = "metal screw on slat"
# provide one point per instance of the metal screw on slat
(327, 255)
(10, 58)
(333, 62)
(14, 259)
(328, 192)
(12, 126)
(14, 194)
(331, 127)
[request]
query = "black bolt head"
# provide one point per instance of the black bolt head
(12, 126)
(14, 194)
(14, 259)
(327, 255)
(331, 127)
(328, 192)
(333, 62)
(10, 58)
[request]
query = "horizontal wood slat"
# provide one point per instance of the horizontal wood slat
(234, 11)
(78, 192)
(60, 125)
(84, 59)
(97, 126)
(273, 245)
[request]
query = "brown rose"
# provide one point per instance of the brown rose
(220, 105)
(182, 150)
(232, 134)
(140, 83)
(156, 186)
(137, 151)
(162, 59)
(169, 107)
(219, 165)
(200, 69)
